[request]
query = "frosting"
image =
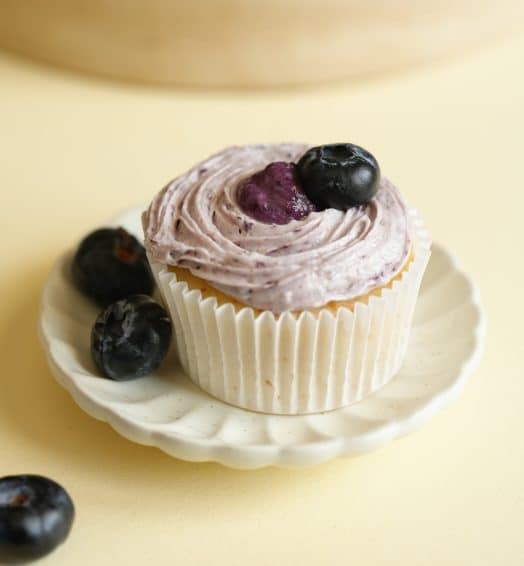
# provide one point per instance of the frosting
(196, 223)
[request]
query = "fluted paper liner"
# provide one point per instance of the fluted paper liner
(296, 362)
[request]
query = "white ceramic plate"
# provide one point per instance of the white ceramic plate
(166, 410)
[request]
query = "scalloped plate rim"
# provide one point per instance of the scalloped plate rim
(257, 455)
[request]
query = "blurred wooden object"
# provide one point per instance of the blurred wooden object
(249, 43)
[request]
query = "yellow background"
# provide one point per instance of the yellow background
(76, 150)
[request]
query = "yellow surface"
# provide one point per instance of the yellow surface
(74, 151)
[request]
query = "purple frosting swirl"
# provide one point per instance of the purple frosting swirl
(196, 223)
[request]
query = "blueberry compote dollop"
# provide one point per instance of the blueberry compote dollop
(274, 195)
(111, 264)
(36, 515)
(130, 338)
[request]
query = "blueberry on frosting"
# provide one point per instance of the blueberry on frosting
(339, 175)
(274, 195)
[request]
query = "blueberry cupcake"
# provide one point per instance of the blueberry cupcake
(291, 274)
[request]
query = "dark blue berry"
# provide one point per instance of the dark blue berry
(111, 264)
(130, 338)
(340, 175)
(36, 515)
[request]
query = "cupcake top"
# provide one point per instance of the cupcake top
(242, 221)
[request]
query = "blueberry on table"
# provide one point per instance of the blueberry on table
(130, 338)
(340, 175)
(36, 515)
(111, 264)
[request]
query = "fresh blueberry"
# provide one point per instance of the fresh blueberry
(130, 338)
(36, 515)
(339, 175)
(111, 264)
(274, 195)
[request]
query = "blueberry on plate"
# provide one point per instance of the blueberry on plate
(111, 264)
(130, 338)
(36, 515)
(340, 175)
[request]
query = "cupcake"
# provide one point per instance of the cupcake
(291, 274)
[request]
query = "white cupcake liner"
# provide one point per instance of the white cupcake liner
(295, 363)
